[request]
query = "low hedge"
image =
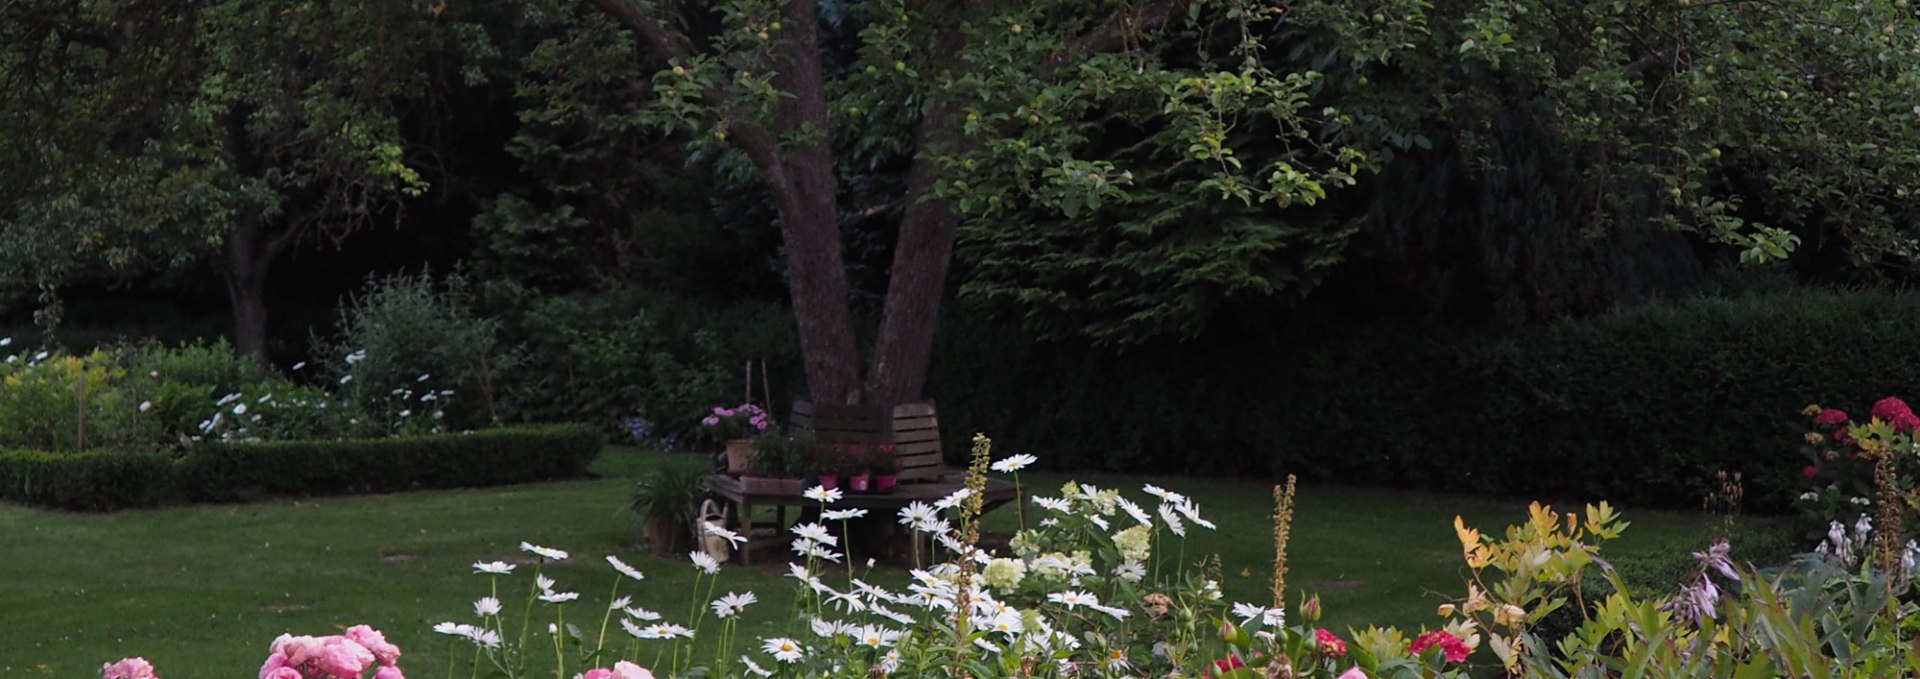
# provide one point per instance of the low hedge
(87, 481)
(1639, 407)
(225, 472)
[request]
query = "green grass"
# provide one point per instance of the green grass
(202, 590)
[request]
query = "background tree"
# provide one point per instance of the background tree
(157, 137)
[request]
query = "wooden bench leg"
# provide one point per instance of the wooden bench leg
(746, 526)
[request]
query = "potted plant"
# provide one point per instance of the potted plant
(794, 458)
(885, 468)
(666, 501)
(732, 427)
(853, 468)
(768, 463)
(825, 465)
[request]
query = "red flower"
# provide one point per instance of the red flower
(1843, 437)
(1451, 646)
(1810, 472)
(1329, 643)
(1830, 417)
(1890, 407)
(1227, 664)
(1905, 422)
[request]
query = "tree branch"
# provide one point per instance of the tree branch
(1111, 33)
(760, 146)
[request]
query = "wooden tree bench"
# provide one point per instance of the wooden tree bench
(913, 429)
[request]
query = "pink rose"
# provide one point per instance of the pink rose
(627, 670)
(1830, 417)
(1353, 673)
(296, 651)
(1887, 408)
(343, 658)
(1905, 422)
(597, 673)
(1843, 437)
(274, 662)
(128, 668)
(383, 651)
(388, 672)
(1329, 643)
(283, 673)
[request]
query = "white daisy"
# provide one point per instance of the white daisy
(1162, 493)
(754, 668)
(619, 603)
(559, 597)
(544, 552)
(916, 513)
(953, 500)
(1248, 612)
(486, 606)
(843, 514)
(625, 569)
(1053, 503)
(642, 614)
(1173, 520)
(875, 636)
(823, 494)
(715, 529)
(814, 532)
(633, 629)
(704, 562)
(1135, 511)
(826, 628)
(494, 567)
(732, 604)
(1015, 463)
(543, 582)
(783, 649)
(1131, 571)
(1192, 512)
(1074, 599)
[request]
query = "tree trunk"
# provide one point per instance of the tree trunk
(245, 273)
(917, 281)
(809, 218)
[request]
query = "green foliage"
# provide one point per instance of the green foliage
(597, 358)
(1641, 407)
(87, 481)
(670, 492)
(224, 472)
(409, 343)
(57, 402)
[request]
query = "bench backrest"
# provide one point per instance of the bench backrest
(912, 428)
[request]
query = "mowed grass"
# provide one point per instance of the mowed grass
(202, 590)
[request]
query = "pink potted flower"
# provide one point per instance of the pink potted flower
(732, 427)
(853, 466)
(885, 468)
(826, 465)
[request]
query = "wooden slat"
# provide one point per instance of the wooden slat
(913, 410)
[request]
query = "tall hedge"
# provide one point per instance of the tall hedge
(1639, 406)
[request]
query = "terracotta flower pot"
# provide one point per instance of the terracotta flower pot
(737, 451)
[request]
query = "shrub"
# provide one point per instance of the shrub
(219, 471)
(407, 337)
(91, 481)
(53, 401)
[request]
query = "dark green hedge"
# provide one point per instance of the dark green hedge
(226, 472)
(90, 481)
(1640, 407)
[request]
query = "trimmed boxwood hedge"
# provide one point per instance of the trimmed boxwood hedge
(225, 472)
(1640, 407)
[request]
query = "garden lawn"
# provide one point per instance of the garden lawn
(202, 590)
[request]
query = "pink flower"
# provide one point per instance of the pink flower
(383, 651)
(1224, 665)
(296, 651)
(1830, 417)
(710, 420)
(128, 668)
(1810, 472)
(274, 662)
(1905, 422)
(1842, 436)
(596, 673)
(1451, 646)
(627, 670)
(343, 658)
(1330, 644)
(389, 672)
(283, 673)
(1887, 408)
(1353, 673)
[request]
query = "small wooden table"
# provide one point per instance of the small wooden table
(998, 492)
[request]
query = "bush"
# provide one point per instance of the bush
(57, 402)
(218, 472)
(1640, 407)
(90, 481)
(407, 343)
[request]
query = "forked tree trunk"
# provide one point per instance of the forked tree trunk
(245, 273)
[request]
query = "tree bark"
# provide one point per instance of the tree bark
(809, 216)
(245, 273)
